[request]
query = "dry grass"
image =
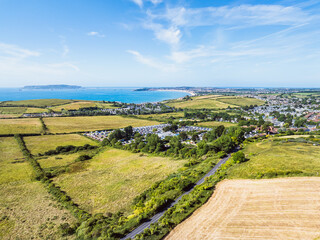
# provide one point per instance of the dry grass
(41, 144)
(215, 123)
(26, 209)
(81, 124)
(74, 106)
(287, 208)
(113, 178)
(200, 103)
(16, 126)
(241, 101)
(58, 160)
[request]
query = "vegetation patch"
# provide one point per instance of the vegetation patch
(37, 103)
(216, 124)
(241, 101)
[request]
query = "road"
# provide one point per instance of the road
(156, 217)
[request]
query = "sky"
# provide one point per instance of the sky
(160, 43)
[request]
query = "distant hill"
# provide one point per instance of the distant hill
(62, 86)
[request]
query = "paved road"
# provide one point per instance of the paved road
(156, 217)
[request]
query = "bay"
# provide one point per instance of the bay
(127, 95)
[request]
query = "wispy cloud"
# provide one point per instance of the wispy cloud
(140, 2)
(96, 34)
(11, 50)
(65, 48)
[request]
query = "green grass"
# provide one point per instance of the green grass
(162, 116)
(41, 144)
(20, 126)
(26, 209)
(13, 110)
(82, 124)
(241, 101)
(274, 158)
(81, 104)
(38, 102)
(215, 123)
(110, 181)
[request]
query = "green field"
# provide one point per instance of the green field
(81, 104)
(241, 101)
(16, 126)
(274, 158)
(41, 144)
(113, 178)
(82, 124)
(26, 209)
(58, 160)
(162, 116)
(215, 123)
(37, 102)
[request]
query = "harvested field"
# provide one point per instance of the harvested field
(216, 123)
(82, 124)
(241, 101)
(284, 208)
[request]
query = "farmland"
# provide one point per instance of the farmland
(285, 208)
(110, 181)
(214, 102)
(274, 159)
(37, 102)
(76, 105)
(14, 126)
(20, 217)
(81, 124)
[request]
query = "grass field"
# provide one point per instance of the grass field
(26, 209)
(113, 178)
(162, 116)
(13, 110)
(272, 159)
(81, 124)
(215, 123)
(58, 160)
(16, 126)
(285, 208)
(41, 144)
(38, 102)
(81, 104)
(241, 101)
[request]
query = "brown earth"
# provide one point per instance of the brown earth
(283, 208)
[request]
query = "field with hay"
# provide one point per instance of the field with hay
(20, 126)
(110, 181)
(82, 124)
(27, 211)
(284, 208)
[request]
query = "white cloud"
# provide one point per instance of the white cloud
(140, 2)
(96, 34)
(16, 51)
(151, 63)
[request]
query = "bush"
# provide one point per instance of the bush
(239, 157)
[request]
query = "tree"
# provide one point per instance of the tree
(239, 157)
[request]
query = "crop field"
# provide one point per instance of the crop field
(216, 123)
(20, 217)
(13, 110)
(277, 159)
(110, 181)
(200, 103)
(163, 116)
(16, 126)
(82, 124)
(74, 106)
(283, 208)
(241, 101)
(37, 102)
(41, 144)
(58, 160)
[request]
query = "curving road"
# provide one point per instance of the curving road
(156, 217)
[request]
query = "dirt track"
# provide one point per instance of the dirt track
(284, 208)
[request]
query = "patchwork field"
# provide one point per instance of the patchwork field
(20, 217)
(15, 126)
(110, 181)
(215, 123)
(81, 124)
(37, 102)
(285, 208)
(41, 144)
(276, 159)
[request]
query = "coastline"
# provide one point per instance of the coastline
(172, 90)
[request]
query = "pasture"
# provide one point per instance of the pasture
(110, 181)
(163, 116)
(278, 159)
(41, 144)
(82, 124)
(26, 209)
(285, 208)
(20, 126)
(37, 102)
(241, 101)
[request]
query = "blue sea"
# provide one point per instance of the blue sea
(127, 95)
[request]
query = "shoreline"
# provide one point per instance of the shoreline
(172, 90)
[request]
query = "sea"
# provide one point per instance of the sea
(126, 95)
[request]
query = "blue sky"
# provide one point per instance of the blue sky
(148, 43)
